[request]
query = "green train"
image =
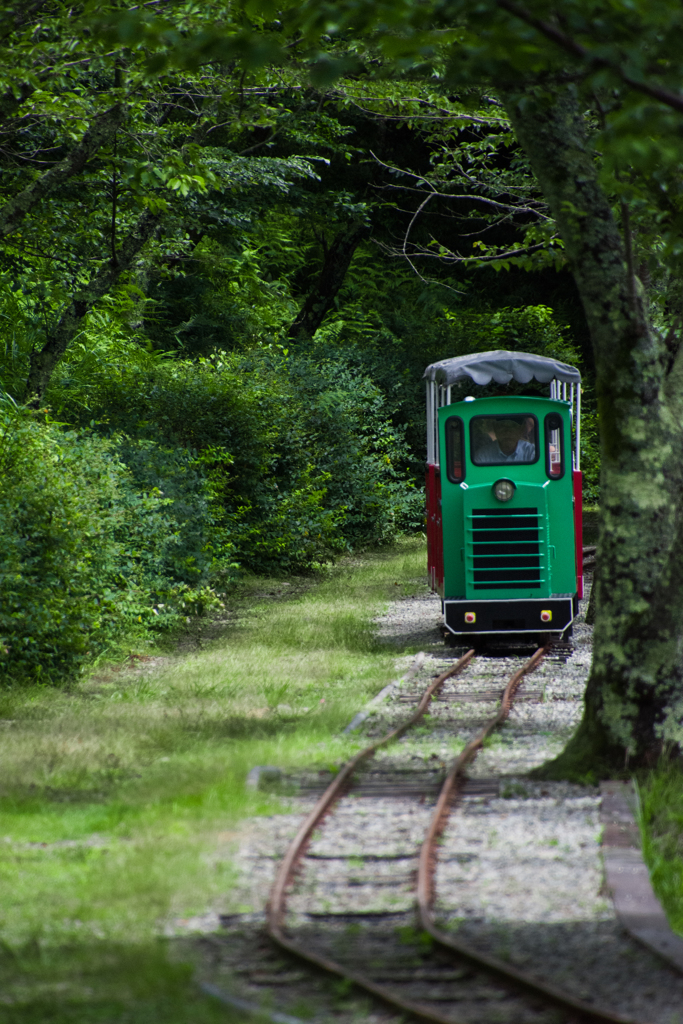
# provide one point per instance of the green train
(504, 529)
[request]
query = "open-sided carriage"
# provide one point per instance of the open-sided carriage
(504, 495)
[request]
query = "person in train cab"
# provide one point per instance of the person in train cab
(508, 444)
(529, 430)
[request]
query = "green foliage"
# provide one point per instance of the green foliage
(590, 455)
(526, 329)
(200, 442)
(86, 556)
(297, 452)
(393, 336)
(661, 821)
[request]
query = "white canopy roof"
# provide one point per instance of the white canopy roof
(502, 367)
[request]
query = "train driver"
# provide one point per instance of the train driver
(505, 442)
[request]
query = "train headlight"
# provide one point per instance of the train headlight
(503, 489)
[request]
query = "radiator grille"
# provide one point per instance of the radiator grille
(506, 549)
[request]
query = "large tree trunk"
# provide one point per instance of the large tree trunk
(44, 361)
(337, 259)
(634, 699)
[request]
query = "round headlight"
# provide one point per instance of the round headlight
(503, 489)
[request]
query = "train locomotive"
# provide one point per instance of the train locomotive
(504, 486)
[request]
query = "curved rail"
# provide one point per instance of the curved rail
(428, 861)
(276, 907)
(427, 864)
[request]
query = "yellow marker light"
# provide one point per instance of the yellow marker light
(546, 616)
(470, 617)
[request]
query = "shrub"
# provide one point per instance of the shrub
(86, 556)
(298, 453)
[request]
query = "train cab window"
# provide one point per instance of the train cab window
(455, 462)
(554, 446)
(498, 440)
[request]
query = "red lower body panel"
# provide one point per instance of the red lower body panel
(577, 479)
(434, 529)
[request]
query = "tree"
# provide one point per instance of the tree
(337, 258)
(635, 688)
(556, 67)
(43, 361)
(101, 131)
(477, 179)
(108, 166)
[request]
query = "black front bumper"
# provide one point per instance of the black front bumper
(510, 616)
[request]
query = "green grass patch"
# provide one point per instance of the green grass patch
(101, 984)
(661, 805)
(121, 798)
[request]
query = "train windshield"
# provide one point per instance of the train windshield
(497, 440)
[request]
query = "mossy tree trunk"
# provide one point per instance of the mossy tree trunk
(634, 699)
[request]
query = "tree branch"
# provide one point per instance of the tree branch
(561, 39)
(43, 362)
(448, 256)
(102, 129)
(425, 280)
(535, 210)
(336, 262)
(412, 221)
(508, 208)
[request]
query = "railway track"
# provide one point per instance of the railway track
(382, 960)
(515, 890)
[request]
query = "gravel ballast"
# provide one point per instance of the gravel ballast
(520, 872)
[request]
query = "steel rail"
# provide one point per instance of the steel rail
(276, 907)
(452, 782)
(428, 862)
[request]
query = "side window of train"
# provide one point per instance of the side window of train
(455, 456)
(554, 446)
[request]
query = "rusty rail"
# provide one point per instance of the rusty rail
(427, 864)
(276, 908)
(428, 861)
(516, 979)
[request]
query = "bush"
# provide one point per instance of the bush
(298, 453)
(86, 556)
(128, 522)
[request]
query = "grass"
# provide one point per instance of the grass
(661, 814)
(102, 984)
(120, 798)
